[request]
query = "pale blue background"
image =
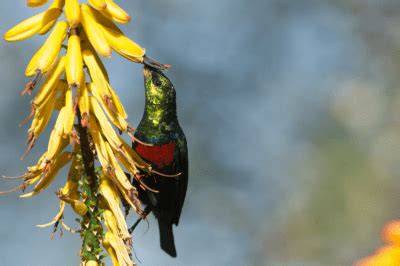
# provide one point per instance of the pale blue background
(290, 108)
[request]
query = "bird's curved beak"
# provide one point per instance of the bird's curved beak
(147, 61)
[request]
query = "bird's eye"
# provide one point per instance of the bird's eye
(156, 80)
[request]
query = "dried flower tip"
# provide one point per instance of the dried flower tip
(134, 139)
(22, 187)
(32, 114)
(69, 229)
(142, 184)
(57, 218)
(30, 143)
(109, 103)
(31, 84)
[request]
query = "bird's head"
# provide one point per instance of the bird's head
(159, 89)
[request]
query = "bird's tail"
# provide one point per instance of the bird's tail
(167, 238)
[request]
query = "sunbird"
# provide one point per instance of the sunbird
(166, 151)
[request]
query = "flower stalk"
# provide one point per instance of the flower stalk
(91, 228)
(75, 86)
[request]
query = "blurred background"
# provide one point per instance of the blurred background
(291, 110)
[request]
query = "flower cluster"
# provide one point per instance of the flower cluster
(389, 255)
(75, 85)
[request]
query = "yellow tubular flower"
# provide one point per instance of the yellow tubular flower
(49, 25)
(84, 105)
(112, 225)
(73, 12)
(122, 182)
(104, 21)
(41, 118)
(52, 46)
(118, 121)
(49, 176)
(78, 206)
(119, 248)
(117, 103)
(32, 65)
(110, 165)
(110, 194)
(118, 243)
(116, 13)
(69, 118)
(91, 263)
(98, 142)
(96, 73)
(60, 88)
(105, 125)
(56, 144)
(91, 32)
(117, 40)
(50, 83)
(57, 4)
(127, 190)
(60, 101)
(31, 26)
(70, 189)
(86, 45)
(103, 91)
(127, 162)
(38, 167)
(111, 198)
(74, 64)
(94, 32)
(35, 3)
(110, 250)
(134, 156)
(123, 45)
(98, 4)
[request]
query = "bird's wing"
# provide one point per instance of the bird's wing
(182, 179)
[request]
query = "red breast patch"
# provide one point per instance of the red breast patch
(160, 155)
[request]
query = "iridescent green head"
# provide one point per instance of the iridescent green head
(159, 89)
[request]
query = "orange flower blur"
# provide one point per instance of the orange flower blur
(389, 255)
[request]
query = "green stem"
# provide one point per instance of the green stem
(91, 228)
